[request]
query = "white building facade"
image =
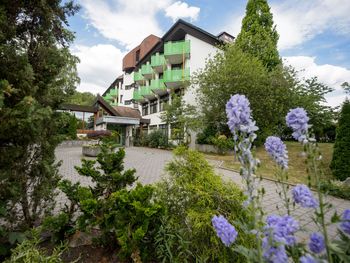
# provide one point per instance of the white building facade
(158, 68)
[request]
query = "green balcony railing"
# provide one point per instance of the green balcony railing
(137, 95)
(157, 84)
(113, 92)
(138, 76)
(108, 97)
(146, 69)
(178, 47)
(175, 75)
(158, 60)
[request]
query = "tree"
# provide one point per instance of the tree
(182, 117)
(258, 35)
(233, 71)
(346, 87)
(81, 98)
(340, 164)
(37, 72)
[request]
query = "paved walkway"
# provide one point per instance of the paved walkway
(150, 163)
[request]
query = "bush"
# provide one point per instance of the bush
(29, 251)
(192, 195)
(157, 139)
(128, 216)
(223, 144)
(340, 164)
(206, 136)
(336, 188)
(67, 124)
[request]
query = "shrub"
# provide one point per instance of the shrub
(223, 144)
(192, 195)
(206, 136)
(29, 251)
(340, 164)
(128, 216)
(336, 188)
(157, 139)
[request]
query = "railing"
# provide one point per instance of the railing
(174, 75)
(113, 92)
(178, 47)
(157, 60)
(138, 76)
(157, 84)
(146, 69)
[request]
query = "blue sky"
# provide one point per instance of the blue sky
(314, 34)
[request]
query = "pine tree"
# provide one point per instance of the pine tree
(258, 35)
(37, 72)
(340, 164)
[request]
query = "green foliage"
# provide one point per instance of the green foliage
(67, 125)
(336, 188)
(231, 72)
(340, 164)
(59, 225)
(181, 116)
(157, 139)
(206, 135)
(223, 143)
(81, 98)
(258, 35)
(37, 72)
(128, 216)
(29, 251)
(192, 195)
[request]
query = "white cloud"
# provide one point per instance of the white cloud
(330, 75)
(298, 21)
(99, 66)
(182, 10)
(128, 22)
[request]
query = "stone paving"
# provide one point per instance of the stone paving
(150, 163)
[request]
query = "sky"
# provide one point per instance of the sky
(314, 34)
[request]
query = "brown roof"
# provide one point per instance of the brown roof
(127, 112)
(76, 107)
(129, 60)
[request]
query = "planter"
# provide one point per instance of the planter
(91, 150)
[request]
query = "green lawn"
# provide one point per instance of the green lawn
(297, 167)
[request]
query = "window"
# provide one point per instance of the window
(127, 87)
(127, 102)
(163, 101)
(121, 99)
(144, 109)
(137, 55)
(153, 106)
(153, 127)
(163, 128)
(160, 75)
(177, 66)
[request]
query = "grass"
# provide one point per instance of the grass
(297, 166)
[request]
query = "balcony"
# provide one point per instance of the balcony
(113, 92)
(174, 78)
(108, 97)
(147, 70)
(158, 62)
(158, 86)
(147, 92)
(138, 77)
(177, 52)
(137, 96)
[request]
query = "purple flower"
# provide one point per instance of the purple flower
(307, 259)
(303, 196)
(297, 120)
(345, 224)
(224, 230)
(274, 254)
(239, 115)
(281, 229)
(316, 243)
(277, 150)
